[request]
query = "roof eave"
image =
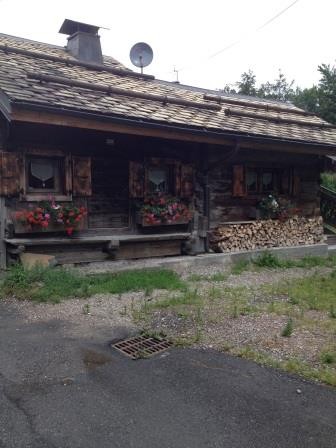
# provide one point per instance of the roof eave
(217, 137)
(5, 106)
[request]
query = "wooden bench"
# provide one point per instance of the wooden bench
(85, 249)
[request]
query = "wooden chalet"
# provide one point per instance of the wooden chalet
(78, 129)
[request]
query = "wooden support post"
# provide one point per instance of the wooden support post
(112, 248)
(3, 255)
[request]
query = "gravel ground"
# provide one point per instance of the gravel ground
(261, 331)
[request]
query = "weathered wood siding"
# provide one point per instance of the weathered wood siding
(226, 206)
(206, 175)
(109, 204)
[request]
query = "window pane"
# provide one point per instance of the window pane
(157, 180)
(43, 174)
(267, 182)
(251, 181)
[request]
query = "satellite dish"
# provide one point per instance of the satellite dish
(141, 55)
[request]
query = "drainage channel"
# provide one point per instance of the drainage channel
(142, 346)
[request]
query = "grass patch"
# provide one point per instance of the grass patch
(187, 298)
(241, 266)
(288, 329)
(328, 357)
(324, 373)
(196, 278)
(267, 260)
(314, 293)
(217, 277)
(332, 311)
(54, 284)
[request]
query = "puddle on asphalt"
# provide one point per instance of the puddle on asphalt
(92, 360)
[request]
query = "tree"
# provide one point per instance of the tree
(319, 99)
(227, 89)
(327, 93)
(307, 99)
(247, 84)
(280, 89)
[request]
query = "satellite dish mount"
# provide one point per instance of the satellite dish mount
(141, 55)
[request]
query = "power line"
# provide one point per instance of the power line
(238, 41)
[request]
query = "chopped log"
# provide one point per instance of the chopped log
(266, 233)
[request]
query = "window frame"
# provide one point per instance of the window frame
(65, 178)
(278, 175)
(167, 164)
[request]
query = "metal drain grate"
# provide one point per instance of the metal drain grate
(142, 346)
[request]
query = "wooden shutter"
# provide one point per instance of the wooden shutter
(9, 174)
(296, 182)
(81, 176)
(239, 188)
(136, 180)
(187, 181)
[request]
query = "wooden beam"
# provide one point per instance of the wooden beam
(3, 254)
(52, 118)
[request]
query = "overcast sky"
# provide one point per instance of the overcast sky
(187, 34)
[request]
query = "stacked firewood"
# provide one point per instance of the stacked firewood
(266, 233)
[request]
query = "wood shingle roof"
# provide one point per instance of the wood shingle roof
(47, 75)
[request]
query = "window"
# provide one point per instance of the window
(160, 178)
(251, 181)
(157, 180)
(266, 180)
(45, 174)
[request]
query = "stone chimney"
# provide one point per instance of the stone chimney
(83, 41)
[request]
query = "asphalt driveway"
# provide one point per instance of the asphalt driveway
(58, 391)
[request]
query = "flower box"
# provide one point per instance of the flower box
(47, 216)
(162, 210)
(142, 221)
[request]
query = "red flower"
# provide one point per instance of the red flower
(69, 231)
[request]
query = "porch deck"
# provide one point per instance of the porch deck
(87, 248)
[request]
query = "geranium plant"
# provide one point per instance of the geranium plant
(67, 215)
(38, 216)
(162, 209)
(278, 208)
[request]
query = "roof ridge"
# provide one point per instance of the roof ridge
(24, 39)
(52, 46)
(70, 61)
(230, 95)
(164, 99)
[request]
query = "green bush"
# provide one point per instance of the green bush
(328, 180)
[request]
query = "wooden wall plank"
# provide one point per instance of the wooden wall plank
(3, 254)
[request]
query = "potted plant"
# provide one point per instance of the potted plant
(272, 207)
(161, 210)
(52, 216)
